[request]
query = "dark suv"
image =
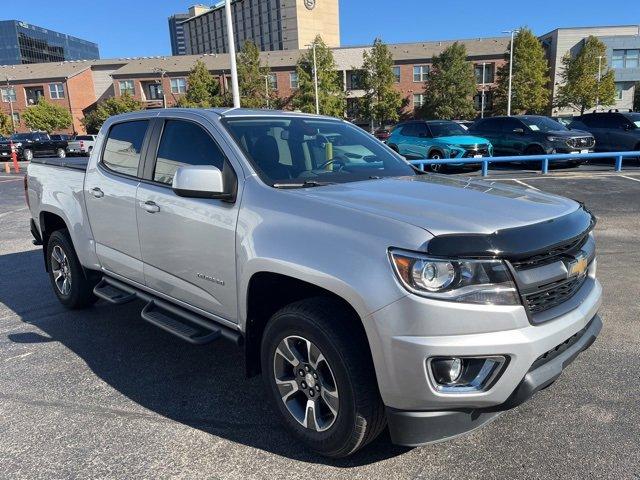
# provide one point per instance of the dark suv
(532, 135)
(614, 131)
(33, 144)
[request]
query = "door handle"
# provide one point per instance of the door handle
(96, 192)
(151, 207)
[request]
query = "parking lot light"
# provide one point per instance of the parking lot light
(511, 56)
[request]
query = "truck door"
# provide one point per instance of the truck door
(188, 244)
(110, 193)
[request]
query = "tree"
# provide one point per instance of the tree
(381, 102)
(47, 117)
(107, 108)
(6, 128)
(581, 88)
(251, 78)
(203, 89)
(451, 85)
(530, 84)
(330, 89)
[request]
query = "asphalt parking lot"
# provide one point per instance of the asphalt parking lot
(102, 394)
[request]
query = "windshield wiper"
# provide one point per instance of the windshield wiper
(305, 184)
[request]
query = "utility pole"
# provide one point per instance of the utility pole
(315, 76)
(483, 88)
(266, 88)
(162, 73)
(511, 55)
(600, 57)
(232, 56)
(10, 90)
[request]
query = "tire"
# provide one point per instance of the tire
(62, 260)
(345, 377)
(27, 154)
(60, 153)
(436, 155)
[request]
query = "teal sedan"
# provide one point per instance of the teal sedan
(436, 139)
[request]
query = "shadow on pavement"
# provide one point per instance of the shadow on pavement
(202, 387)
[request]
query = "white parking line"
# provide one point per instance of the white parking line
(13, 211)
(19, 356)
(525, 184)
(631, 178)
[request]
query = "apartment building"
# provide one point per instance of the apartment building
(622, 55)
(270, 24)
(75, 86)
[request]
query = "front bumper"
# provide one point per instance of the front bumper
(420, 427)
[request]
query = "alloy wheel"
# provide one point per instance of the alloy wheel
(306, 383)
(61, 270)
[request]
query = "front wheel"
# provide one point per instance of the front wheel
(60, 153)
(319, 376)
(439, 167)
(73, 289)
(27, 154)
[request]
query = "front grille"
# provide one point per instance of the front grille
(581, 142)
(550, 256)
(472, 150)
(553, 295)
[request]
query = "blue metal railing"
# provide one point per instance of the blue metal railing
(545, 160)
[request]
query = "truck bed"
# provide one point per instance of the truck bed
(77, 163)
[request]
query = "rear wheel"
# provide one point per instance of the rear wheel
(60, 153)
(67, 277)
(319, 376)
(27, 154)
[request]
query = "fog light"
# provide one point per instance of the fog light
(464, 374)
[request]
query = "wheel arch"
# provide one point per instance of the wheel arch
(49, 223)
(262, 303)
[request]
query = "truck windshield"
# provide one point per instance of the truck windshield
(298, 152)
(543, 124)
(634, 118)
(446, 129)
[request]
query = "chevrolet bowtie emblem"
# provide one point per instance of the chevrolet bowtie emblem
(578, 266)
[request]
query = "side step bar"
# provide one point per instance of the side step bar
(188, 326)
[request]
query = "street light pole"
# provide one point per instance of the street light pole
(162, 73)
(13, 121)
(511, 55)
(483, 88)
(266, 88)
(232, 56)
(600, 57)
(315, 76)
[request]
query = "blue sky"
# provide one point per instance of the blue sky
(139, 27)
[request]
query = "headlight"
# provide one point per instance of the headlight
(453, 150)
(486, 282)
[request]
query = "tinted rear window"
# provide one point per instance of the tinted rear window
(123, 147)
(84, 137)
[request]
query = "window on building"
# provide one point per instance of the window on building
(488, 101)
(420, 73)
(8, 94)
(396, 73)
(56, 90)
(418, 100)
(355, 80)
(172, 154)
(126, 87)
(178, 85)
(626, 58)
(293, 79)
(124, 146)
(619, 91)
(488, 73)
(273, 82)
(16, 118)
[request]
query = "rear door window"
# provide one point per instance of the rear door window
(124, 146)
(184, 143)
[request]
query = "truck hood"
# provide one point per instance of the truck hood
(445, 205)
(462, 140)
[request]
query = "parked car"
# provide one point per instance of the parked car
(533, 135)
(81, 145)
(464, 123)
(613, 131)
(33, 144)
(382, 134)
(366, 293)
(436, 139)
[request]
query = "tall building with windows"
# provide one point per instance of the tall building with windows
(21, 42)
(270, 24)
(176, 33)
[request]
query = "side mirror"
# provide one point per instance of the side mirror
(198, 181)
(626, 126)
(518, 130)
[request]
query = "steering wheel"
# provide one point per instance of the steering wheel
(340, 162)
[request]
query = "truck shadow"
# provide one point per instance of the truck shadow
(202, 387)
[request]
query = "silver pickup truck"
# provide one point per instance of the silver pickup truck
(368, 294)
